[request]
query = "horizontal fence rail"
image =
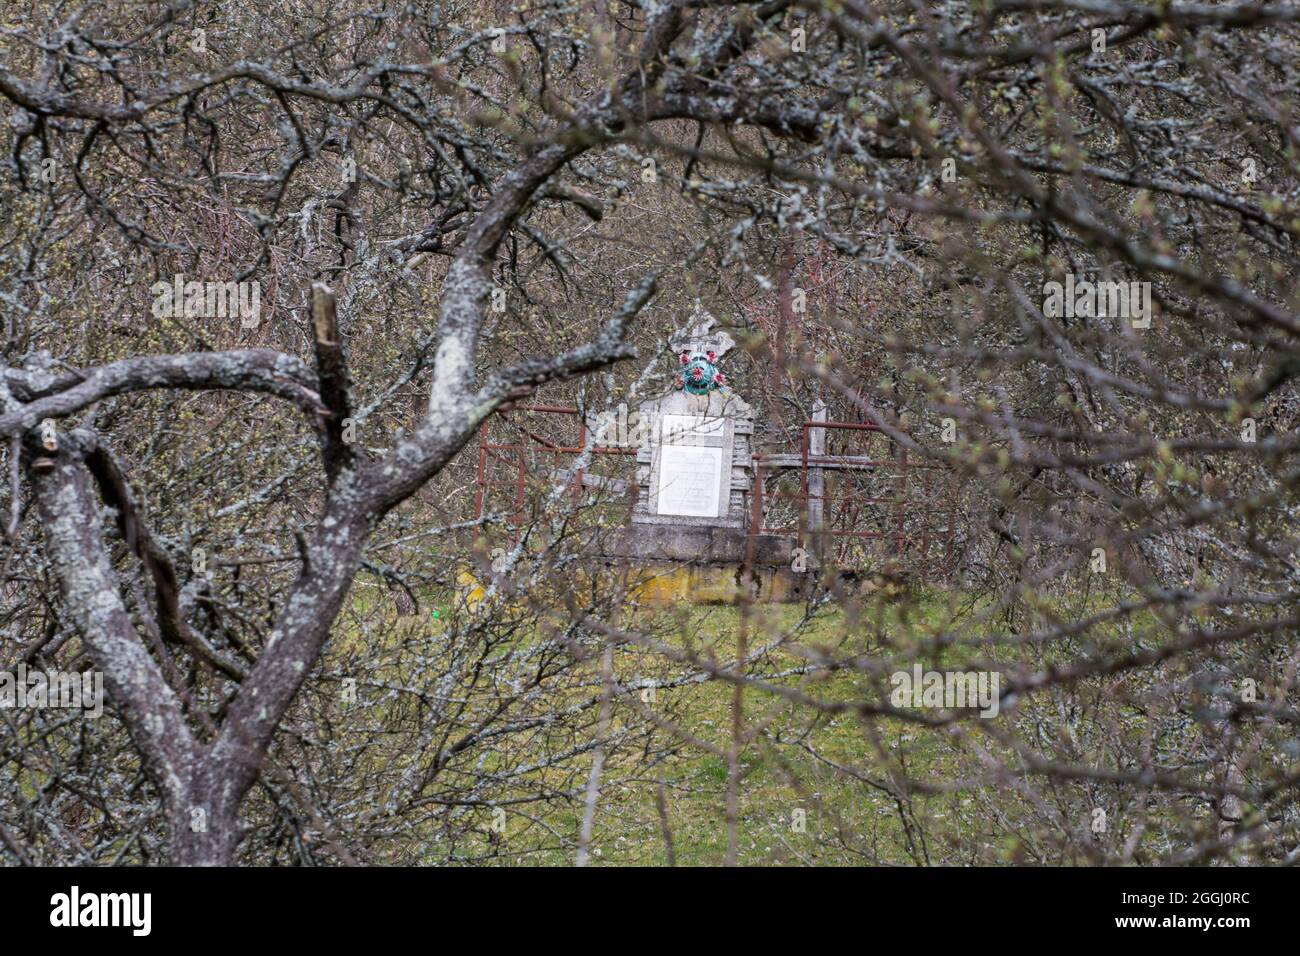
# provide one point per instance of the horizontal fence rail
(885, 498)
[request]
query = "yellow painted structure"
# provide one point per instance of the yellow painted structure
(673, 583)
(711, 584)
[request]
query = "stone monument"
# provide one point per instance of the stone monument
(694, 466)
(690, 523)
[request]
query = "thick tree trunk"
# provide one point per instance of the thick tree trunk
(212, 845)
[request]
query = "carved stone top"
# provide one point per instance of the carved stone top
(701, 339)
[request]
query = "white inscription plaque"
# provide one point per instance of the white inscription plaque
(690, 479)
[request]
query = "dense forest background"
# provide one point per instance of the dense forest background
(319, 647)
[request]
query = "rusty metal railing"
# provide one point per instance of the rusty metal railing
(905, 518)
(514, 454)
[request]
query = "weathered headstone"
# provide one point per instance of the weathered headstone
(694, 464)
(690, 531)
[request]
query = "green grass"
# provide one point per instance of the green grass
(862, 811)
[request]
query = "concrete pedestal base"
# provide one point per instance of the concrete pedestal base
(705, 564)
